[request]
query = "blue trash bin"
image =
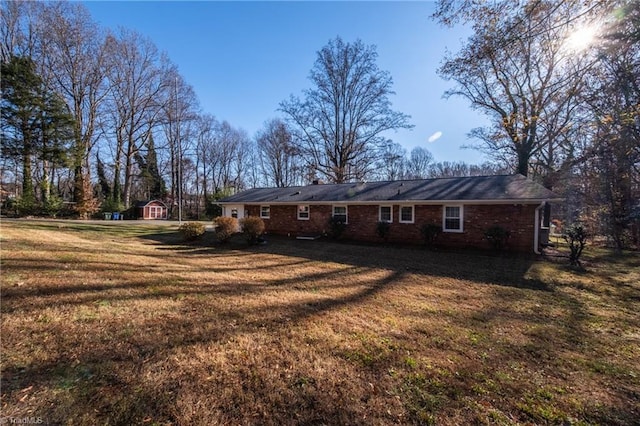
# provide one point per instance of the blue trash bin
(116, 215)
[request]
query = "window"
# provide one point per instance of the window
(452, 219)
(303, 212)
(406, 214)
(234, 213)
(385, 214)
(340, 213)
(265, 212)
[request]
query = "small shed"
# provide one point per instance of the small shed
(151, 210)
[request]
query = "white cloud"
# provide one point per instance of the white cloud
(434, 137)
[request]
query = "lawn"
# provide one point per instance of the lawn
(122, 324)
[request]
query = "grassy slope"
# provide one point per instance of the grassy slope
(126, 325)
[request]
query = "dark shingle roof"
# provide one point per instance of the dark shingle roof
(479, 188)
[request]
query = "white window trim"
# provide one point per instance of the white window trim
(308, 211)
(380, 213)
(346, 212)
(413, 214)
(444, 218)
(268, 213)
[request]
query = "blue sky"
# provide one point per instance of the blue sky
(244, 58)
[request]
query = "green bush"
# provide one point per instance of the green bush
(336, 227)
(111, 205)
(252, 227)
(576, 236)
(192, 230)
(497, 236)
(430, 233)
(26, 206)
(52, 206)
(225, 228)
(382, 229)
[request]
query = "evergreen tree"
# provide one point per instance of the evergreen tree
(35, 126)
(105, 188)
(150, 173)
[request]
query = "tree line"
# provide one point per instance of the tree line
(98, 119)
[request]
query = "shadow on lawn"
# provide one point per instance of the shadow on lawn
(101, 374)
(505, 269)
(127, 370)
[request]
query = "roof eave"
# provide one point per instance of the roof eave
(395, 201)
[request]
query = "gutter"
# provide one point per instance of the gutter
(536, 229)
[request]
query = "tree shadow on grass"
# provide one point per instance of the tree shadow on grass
(101, 374)
(140, 368)
(482, 267)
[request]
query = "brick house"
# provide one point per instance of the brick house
(464, 207)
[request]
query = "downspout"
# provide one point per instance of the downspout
(536, 229)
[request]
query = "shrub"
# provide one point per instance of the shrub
(111, 205)
(576, 236)
(382, 229)
(192, 230)
(336, 227)
(430, 233)
(225, 228)
(252, 227)
(497, 236)
(52, 206)
(26, 206)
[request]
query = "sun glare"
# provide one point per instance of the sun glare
(581, 38)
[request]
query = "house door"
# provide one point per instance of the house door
(236, 211)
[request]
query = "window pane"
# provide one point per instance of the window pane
(453, 218)
(303, 212)
(339, 210)
(452, 223)
(453, 212)
(406, 214)
(385, 214)
(340, 213)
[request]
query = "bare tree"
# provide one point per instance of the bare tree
(137, 77)
(340, 122)
(418, 163)
(229, 156)
(392, 162)
(279, 156)
(76, 57)
(611, 161)
(446, 169)
(178, 119)
(206, 125)
(17, 29)
(518, 70)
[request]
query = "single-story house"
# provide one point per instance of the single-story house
(464, 207)
(153, 209)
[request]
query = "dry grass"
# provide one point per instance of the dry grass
(125, 324)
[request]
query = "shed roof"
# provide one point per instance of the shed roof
(141, 204)
(504, 188)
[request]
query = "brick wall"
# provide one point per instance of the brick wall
(362, 220)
